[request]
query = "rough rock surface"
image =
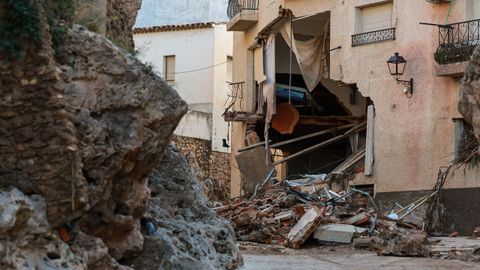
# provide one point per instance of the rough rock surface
(210, 167)
(123, 118)
(83, 129)
(95, 253)
(401, 242)
(121, 15)
(189, 235)
(470, 93)
(26, 241)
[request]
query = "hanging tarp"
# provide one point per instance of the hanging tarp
(311, 55)
(259, 73)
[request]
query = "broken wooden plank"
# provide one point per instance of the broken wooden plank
(329, 120)
(369, 146)
(349, 162)
(322, 144)
(316, 134)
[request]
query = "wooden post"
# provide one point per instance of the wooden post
(369, 145)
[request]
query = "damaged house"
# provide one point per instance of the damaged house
(364, 92)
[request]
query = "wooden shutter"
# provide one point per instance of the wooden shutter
(475, 9)
(376, 17)
(170, 68)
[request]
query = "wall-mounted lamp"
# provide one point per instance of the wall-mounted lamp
(396, 66)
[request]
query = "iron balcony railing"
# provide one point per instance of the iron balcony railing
(373, 37)
(237, 6)
(457, 41)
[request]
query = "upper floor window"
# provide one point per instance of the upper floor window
(376, 17)
(169, 68)
(475, 5)
(374, 24)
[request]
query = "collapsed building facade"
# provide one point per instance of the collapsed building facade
(311, 85)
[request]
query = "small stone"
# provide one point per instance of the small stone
(24, 82)
(72, 148)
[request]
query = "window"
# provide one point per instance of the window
(169, 68)
(374, 24)
(475, 9)
(230, 68)
(376, 17)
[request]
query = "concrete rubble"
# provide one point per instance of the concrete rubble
(283, 214)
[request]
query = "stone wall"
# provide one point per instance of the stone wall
(212, 168)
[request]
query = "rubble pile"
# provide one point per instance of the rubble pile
(287, 214)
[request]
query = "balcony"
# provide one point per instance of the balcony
(242, 13)
(373, 37)
(457, 41)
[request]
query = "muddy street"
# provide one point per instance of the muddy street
(339, 261)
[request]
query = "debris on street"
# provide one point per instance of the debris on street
(289, 212)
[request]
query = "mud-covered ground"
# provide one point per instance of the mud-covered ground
(264, 257)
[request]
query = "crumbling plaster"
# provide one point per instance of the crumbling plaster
(413, 137)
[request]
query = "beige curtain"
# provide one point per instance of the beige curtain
(311, 55)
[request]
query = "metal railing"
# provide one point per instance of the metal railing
(373, 37)
(457, 41)
(237, 6)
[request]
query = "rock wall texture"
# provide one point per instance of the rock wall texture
(26, 241)
(123, 117)
(81, 131)
(188, 235)
(210, 167)
(469, 104)
(121, 16)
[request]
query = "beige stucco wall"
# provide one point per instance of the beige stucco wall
(413, 137)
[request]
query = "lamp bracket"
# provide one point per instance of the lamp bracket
(408, 84)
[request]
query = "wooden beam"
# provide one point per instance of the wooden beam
(329, 120)
(323, 144)
(323, 132)
(369, 145)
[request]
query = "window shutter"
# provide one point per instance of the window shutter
(377, 17)
(170, 68)
(476, 9)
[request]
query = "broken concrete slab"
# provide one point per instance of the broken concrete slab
(338, 233)
(254, 168)
(305, 227)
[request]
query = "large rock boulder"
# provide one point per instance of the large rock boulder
(189, 234)
(469, 104)
(26, 241)
(82, 128)
(123, 116)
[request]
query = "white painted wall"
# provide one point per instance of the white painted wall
(223, 49)
(163, 12)
(193, 50)
(195, 124)
(201, 76)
